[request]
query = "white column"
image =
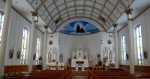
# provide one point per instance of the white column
(116, 50)
(6, 27)
(131, 42)
(31, 44)
(44, 54)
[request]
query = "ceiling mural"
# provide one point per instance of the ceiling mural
(80, 28)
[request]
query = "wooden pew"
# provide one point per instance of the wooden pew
(14, 71)
(46, 74)
(110, 74)
(137, 68)
(143, 76)
(51, 74)
(54, 74)
(16, 68)
(141, 72)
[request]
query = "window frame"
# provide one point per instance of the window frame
(138, 36)
(23, 60)
(1, 25)
(124, 49)
(38, 50)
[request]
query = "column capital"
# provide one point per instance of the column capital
(46, 28)
(129, 13)
(115, 27)
(34, 16)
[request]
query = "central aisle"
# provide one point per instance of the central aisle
(80, 75)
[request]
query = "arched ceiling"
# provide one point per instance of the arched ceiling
(55, 12)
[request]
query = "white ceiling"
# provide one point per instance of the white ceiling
(138, 7)
(54, 12)
(25, 9)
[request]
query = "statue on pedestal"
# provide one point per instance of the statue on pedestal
(79, 54)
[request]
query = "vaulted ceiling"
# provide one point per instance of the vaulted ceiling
(56, 12)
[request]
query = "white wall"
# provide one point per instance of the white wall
(54, 47)
(1, 5)
(17, 22)
(145, 23)
(144, 20)
(92, 44)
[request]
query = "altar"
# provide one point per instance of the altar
(79, 64)
(79, 60)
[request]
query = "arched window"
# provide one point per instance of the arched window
(138, 44)
(25, 45)
(124, 49)
(1, 25)
(38, 51)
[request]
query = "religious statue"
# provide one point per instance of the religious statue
(107, 56)
(51, 55)
(79, 54)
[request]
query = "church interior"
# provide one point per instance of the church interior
(74, 39)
